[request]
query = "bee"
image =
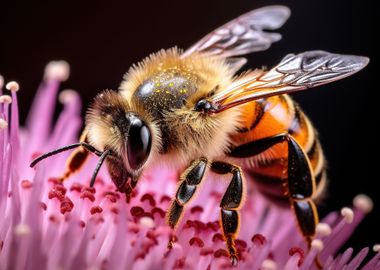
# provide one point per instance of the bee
(189, 109)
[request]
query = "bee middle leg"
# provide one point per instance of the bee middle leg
(230, 204)
(190, 179)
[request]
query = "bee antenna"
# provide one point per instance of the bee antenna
(97, 168)
(54, 152)
(63, 149)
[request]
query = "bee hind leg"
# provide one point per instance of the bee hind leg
(230, 204)
(187, 187)
(300, 188)
(301, 182)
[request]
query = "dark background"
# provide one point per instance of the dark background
(101, 39)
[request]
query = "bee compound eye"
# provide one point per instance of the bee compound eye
(139, 142)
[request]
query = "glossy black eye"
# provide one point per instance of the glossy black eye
(139, 142)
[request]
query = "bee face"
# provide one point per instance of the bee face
(112, 125)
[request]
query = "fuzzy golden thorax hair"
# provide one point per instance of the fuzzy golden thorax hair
(186, 133)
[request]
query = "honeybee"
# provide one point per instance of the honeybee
(189, 109)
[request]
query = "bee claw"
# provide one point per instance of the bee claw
(234, 260)
(172, 240)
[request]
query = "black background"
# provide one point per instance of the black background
(101, 39)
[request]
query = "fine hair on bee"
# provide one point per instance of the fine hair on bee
(191, 111)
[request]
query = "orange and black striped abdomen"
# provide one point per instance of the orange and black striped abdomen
(269, 117)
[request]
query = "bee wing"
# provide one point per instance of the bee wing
(244, 34)
(294, 73)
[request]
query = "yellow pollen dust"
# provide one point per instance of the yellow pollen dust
(167, 92)
(183, 91)
(171, 84)
(157, 91)
(158, 84)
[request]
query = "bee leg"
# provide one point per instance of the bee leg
(190, 179)
(230, 204)
(301, 182)
(77, 158)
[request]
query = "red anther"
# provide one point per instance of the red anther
(53, 218)
(147, 214)
(98, 219)
(159, 211)
(60, 188)
(112, 196)
(96, 209)
(206, 251)
(76, 187)
(241, 243)
(258, 239)
(82, 224)
(87, 195)
(137, 211)
(216, 194)
(165, 198)
(56, 194)
(26, 184)
(200, 225)
(43, 205)
(301, 253)
(117, 195)
(133, 227)
(66, 205)
(189, 224)
(221, 252)
(213, 225)
(197, 241)
(180, 263)
(152, 236)
(55, 180)
(147, 244)
(150, 198)
(115, 210)
(217, 237)
(99, 180)
(89, 189)
(196, 209)
(140, 255)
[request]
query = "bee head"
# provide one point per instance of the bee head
(112, 125)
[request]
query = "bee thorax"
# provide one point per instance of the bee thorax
(166, 91)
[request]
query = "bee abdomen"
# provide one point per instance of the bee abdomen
(273, 116)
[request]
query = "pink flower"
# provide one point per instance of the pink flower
(47, 225)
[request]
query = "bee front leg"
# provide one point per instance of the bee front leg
(190, 179)
(230, 204)
(77, 158)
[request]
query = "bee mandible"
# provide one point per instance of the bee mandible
(189, 109)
